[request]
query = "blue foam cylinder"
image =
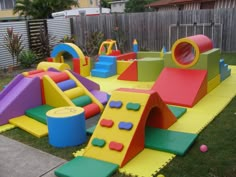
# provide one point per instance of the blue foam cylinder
(66, 126)
(67, 84)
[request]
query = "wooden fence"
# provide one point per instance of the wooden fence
(153, 30)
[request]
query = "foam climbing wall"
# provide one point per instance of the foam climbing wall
(120, 132)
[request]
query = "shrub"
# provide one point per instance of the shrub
(14, 44)
(27, 58)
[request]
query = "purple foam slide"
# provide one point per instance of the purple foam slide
(21, 94)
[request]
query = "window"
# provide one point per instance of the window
(7, 4)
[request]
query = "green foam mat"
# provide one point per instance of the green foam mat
(82, 101)
(86, 167)
(177, 111)
(169, 141)
(39, 113)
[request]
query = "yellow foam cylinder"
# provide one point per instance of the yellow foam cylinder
(75, 92)
(186, 51)
(59, 66)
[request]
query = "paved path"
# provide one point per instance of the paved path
(20, 160)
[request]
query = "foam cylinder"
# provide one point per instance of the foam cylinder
(74, 92)
(186, 51)
(67, 84)
(66, 126)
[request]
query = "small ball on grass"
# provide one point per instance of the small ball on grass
(203, 148)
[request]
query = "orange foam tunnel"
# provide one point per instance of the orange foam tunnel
(186, 51)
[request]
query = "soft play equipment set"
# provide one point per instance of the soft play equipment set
(33, 93)
(137, 133)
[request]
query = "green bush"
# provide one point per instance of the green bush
(27, 58)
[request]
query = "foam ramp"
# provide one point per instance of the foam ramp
(21, 94)
(182, 87)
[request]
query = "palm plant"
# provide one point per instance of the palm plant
(23, 7)
(40, 9)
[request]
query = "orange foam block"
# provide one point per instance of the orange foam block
(131, 73)
(183, 87)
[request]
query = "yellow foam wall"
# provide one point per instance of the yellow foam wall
(213, 83)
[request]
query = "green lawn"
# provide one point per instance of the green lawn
(220, 137)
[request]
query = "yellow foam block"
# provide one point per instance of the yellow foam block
(147, 163)
(213, 83)
(30, 125)
(6, 127)
(122, 66)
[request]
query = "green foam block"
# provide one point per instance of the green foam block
(177, 111)
(86, 167)
(169, 141)
(39, 113)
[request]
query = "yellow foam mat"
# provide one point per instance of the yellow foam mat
(6, 127)
(30, 125)
(149, 162)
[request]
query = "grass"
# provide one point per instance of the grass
(220, 137)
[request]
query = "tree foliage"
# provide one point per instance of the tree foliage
(40, 9)
(136, 5)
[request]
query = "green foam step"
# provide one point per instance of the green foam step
(169, 141)
(177, 111)
(39, 113)
(86, 167)
(82, 101)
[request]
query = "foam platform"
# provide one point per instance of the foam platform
(86, 167)
(169, 141)
(30, 125)
(6, 127)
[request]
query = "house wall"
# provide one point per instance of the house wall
(88, 3)
(7, 13)
(118, 6)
